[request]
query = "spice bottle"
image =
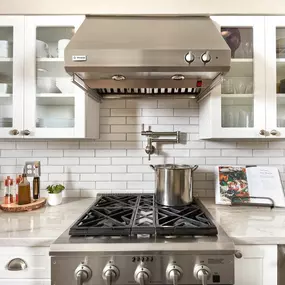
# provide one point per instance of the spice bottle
(24, 194)
(11, 191)
(36, 184)
(6, 194)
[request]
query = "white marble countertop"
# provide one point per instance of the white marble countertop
(244, 225)
(249, 225)
(40, 227)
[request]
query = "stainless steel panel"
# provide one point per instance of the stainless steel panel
(63, 267)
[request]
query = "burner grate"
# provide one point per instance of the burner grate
(121, 215)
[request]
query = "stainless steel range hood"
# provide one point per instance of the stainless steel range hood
(143, 56)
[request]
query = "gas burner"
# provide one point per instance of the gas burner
(129, 215)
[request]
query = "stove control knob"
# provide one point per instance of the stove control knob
(205, 57)
(110, 274)
(82, 274)
(202, 273)
(173, 273)
(189, 57)
(142, 275)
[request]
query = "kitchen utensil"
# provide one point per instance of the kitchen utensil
(173, 184)
(240, 87)
(61, 46)
(42, 49)
(232, 38)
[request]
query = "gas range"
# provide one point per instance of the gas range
(128, 239)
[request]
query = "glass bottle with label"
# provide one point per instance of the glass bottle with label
(24, 195)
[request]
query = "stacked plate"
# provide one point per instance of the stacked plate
(55, 123)
(6, 122)
(6, 49)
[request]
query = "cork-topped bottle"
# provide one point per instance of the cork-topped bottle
(24, 195)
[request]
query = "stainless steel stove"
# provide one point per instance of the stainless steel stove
(128, 239)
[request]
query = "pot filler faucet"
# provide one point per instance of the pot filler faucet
(154, 137)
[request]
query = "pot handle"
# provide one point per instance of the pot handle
(194, 168)
(152, 167)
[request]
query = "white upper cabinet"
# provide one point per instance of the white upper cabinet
(37, 97)
(236, 108)
(275, 76)
(11, 75)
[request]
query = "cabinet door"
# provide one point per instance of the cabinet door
(54, 106)
(275, 76)
(11, 75)
(238, 104)
(258, 265)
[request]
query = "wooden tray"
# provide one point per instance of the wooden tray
(36, 204)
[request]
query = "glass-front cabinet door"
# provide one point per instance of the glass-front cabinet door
(240, 99)
(53, 104)
(275, 76)
(11, 75)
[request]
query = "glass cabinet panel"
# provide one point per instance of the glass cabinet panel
(280, 76)
(237, 86)
(6, 77)
(55, 104)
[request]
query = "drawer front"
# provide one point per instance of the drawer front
(24, 282)
(35, 263)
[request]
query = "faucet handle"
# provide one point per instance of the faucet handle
(142, 127)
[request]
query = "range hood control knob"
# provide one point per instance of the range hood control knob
(202, 273)
(110, 274)
(174, 273)
(82, 274)
(189, 57)
(142, 275)
(205, 57)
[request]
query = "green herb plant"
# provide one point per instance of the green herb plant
(55, 188)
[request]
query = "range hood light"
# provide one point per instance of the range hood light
(178, 77)
(118, 77)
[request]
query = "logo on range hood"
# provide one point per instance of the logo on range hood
(79, 58)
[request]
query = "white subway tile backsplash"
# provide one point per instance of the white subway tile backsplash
(117, 162)
(126, 177)
(141, 104)
(126, 112)
(110, 152)
(111, 185)
(268, 152)
(173, 120)
(126, 160)
(95, 177)
(79, 153)
(173, 103)
(31, 145)
(95, 160)
(79, 169)
(112, 120)
(252, 160)
(236, 152)
(63, 161)
(16, 153)
(157, 112)
(48, 153)
(111, 169)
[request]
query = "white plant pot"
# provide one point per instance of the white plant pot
(54, 199)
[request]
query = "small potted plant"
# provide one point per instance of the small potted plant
(55, 194)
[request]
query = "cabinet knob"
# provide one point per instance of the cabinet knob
(273, 132)
(238, 254)
(16, 264)
(262, 132)
(26, 132)
(14, 132)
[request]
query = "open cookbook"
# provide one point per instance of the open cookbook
(241, 183)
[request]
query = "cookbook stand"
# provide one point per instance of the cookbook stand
(243, 201)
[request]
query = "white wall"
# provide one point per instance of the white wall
(212, 7)
(117, 162)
